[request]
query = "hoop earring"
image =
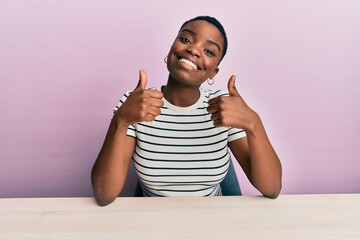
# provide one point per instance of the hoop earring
(165, 59)
(211, 81)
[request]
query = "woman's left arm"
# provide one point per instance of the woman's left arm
(254, 153)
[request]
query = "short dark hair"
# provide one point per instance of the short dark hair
(217, 24)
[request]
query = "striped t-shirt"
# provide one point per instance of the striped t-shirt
(181, 153)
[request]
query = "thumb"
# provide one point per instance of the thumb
(142, 80)
(232, 87)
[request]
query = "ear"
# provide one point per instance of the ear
(213, 74)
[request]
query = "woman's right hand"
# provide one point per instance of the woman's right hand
(143, 105)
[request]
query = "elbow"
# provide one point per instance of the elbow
(271, 196)
(270, 189)
(273, 193)
(102, 196)
(102, 199)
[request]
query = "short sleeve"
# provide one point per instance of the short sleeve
(235, 133)
(131, 129)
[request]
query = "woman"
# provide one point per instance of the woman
(178, 135)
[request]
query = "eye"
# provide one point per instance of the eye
(184, 40)
(207, 51)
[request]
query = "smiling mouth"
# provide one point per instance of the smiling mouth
(188, 62)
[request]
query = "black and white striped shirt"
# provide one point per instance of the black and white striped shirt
(181, 153)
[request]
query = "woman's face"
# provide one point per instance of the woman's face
(195, 53)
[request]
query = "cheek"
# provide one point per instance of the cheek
(175, 46)
(212, 65)
(170, 50)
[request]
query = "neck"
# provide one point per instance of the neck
(179, 94)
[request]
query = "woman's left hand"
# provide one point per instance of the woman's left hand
(232, 110)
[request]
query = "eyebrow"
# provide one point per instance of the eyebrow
(208, 40)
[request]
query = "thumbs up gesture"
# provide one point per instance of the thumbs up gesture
(143, 105)
(231, 111)
(142, 80)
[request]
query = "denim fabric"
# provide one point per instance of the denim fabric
(138, 190)
(230, 185)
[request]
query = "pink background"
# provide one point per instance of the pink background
(64, 65)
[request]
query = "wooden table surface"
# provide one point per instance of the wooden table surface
(249, 217)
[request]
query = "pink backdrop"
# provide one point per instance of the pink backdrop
(64, 65)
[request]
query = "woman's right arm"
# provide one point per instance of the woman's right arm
(111, 166)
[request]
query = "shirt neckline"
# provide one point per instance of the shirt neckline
(184, 109)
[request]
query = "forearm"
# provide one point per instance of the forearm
(110, 169)
(266, 172)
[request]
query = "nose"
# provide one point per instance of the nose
(193, 50)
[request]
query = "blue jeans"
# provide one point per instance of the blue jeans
(230, 185)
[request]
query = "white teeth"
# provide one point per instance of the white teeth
(190, 63)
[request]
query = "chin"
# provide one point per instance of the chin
(184, 76)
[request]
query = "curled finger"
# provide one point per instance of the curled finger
(155, 111)
(212, 108)
(155, 102)
(155, 93)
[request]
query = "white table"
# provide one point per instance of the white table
(288, 217)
